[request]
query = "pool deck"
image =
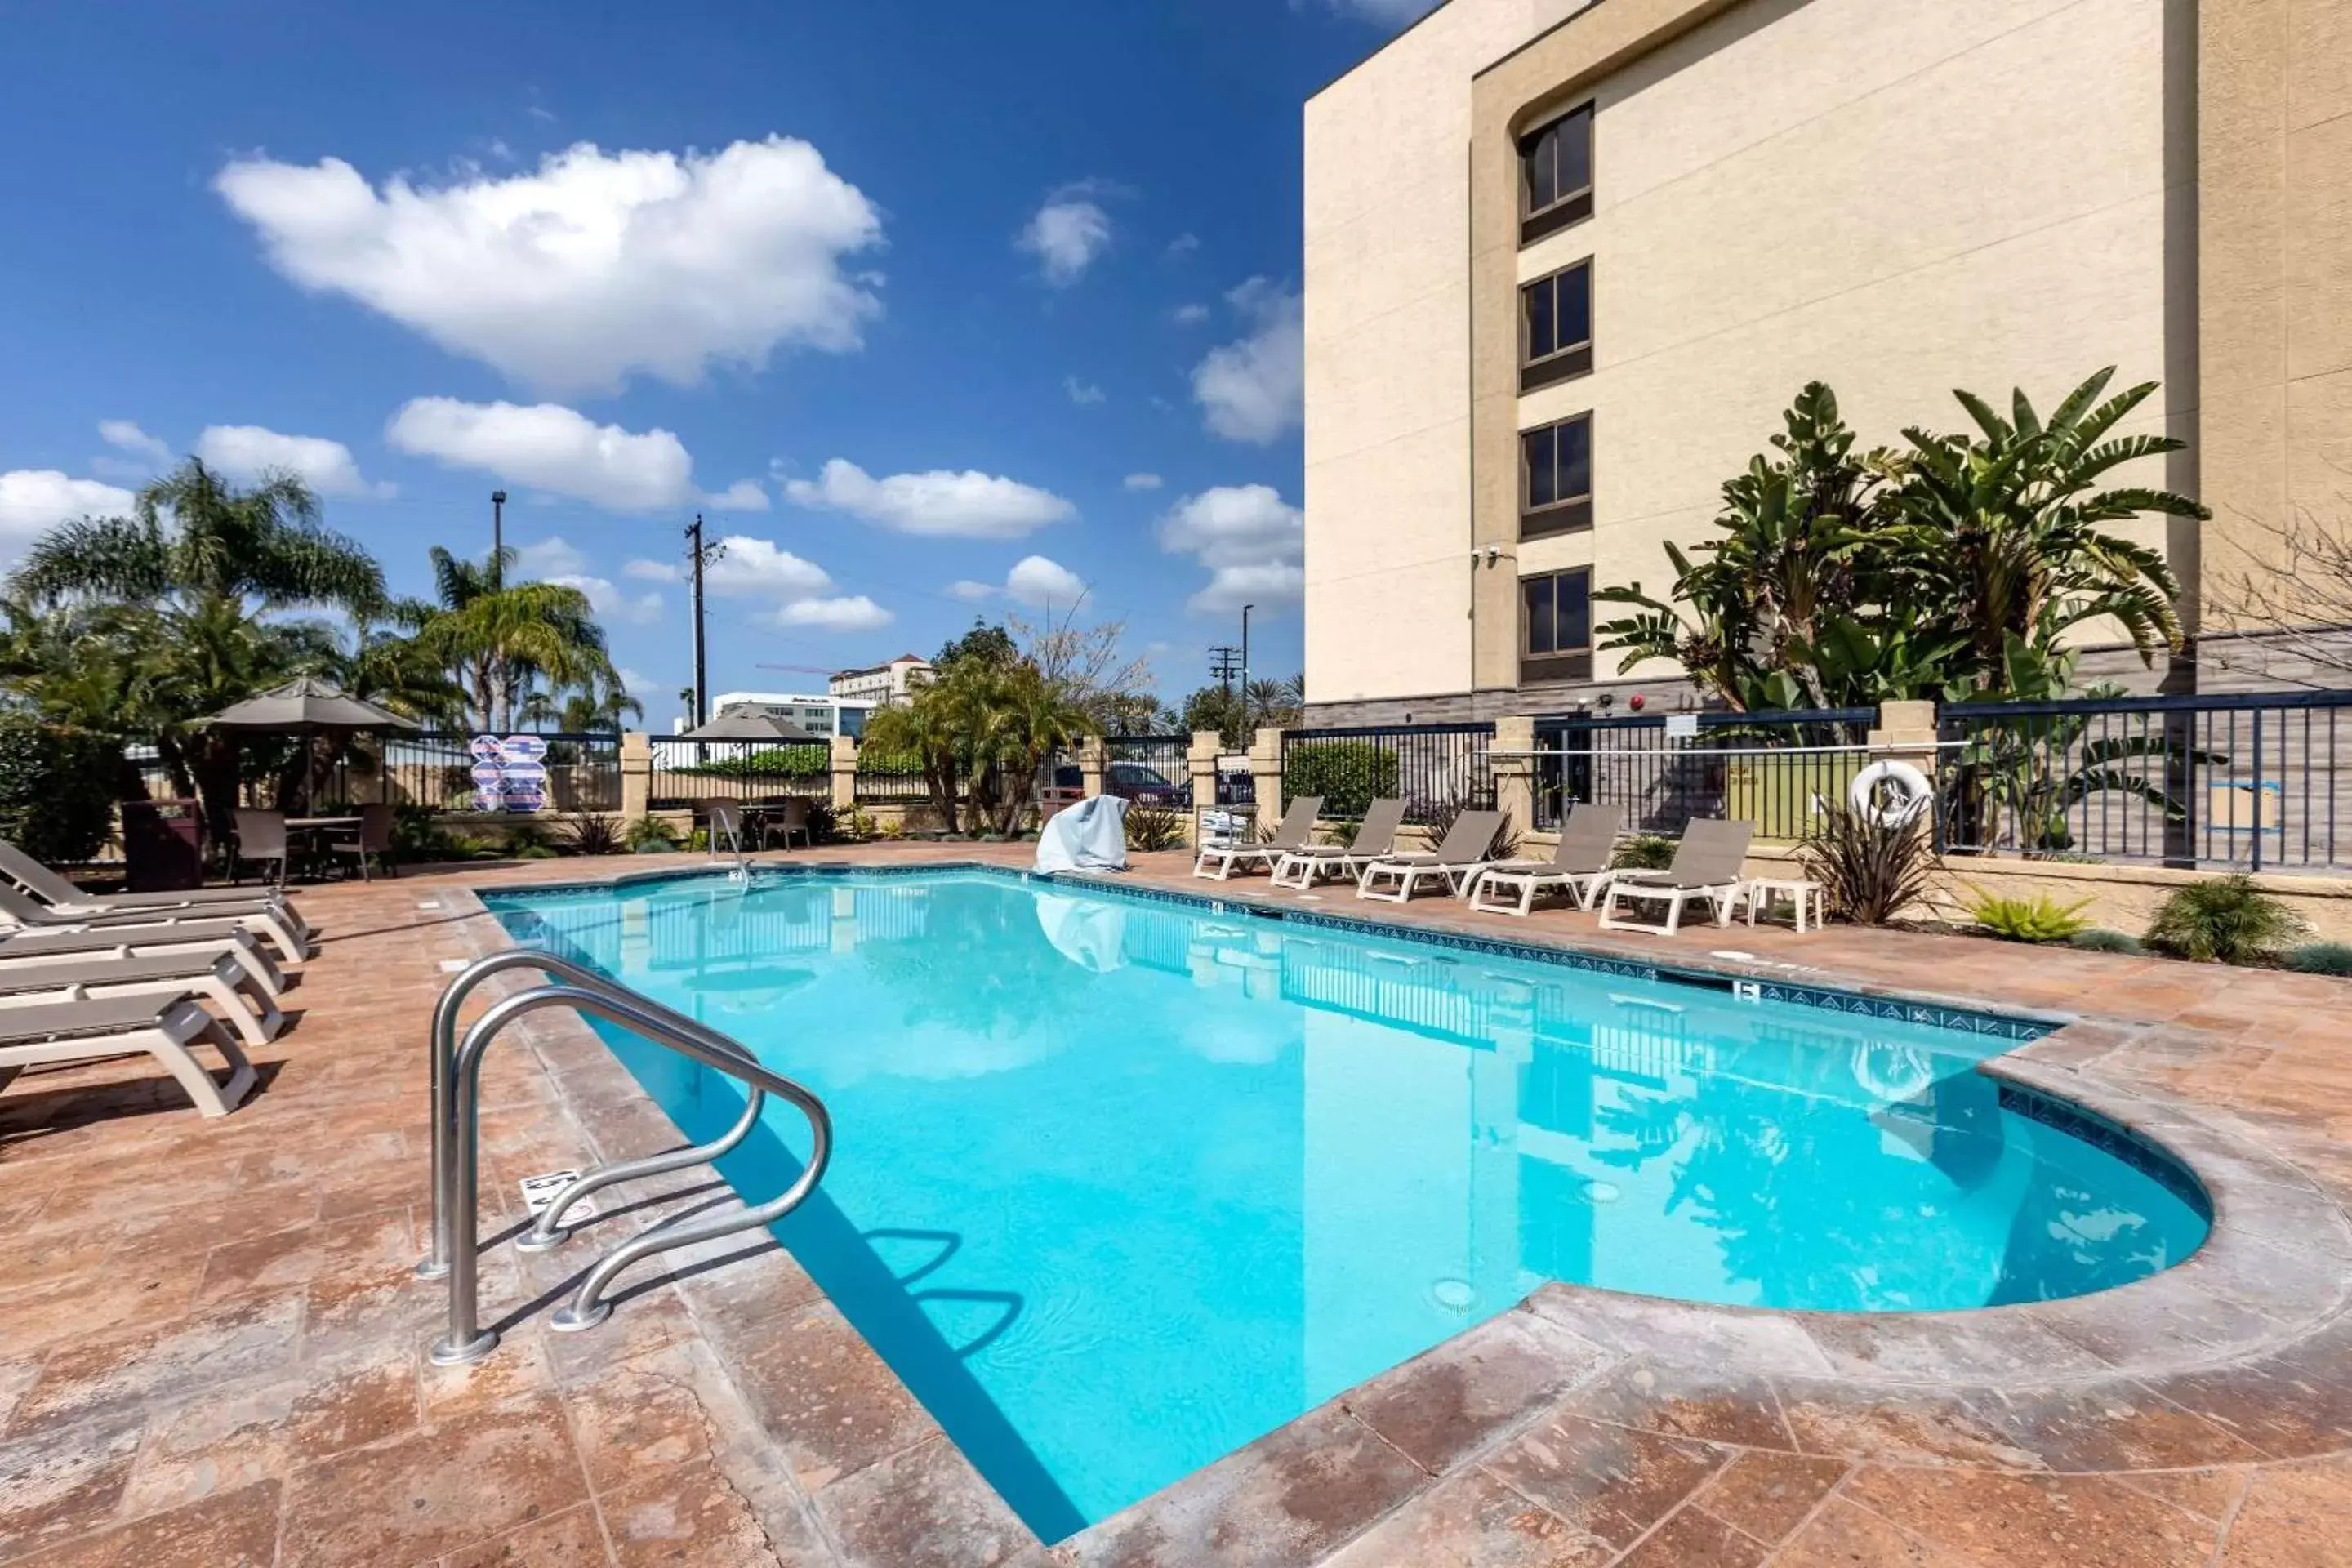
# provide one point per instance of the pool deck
(212, 1343)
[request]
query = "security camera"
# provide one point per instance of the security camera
(1607, 700)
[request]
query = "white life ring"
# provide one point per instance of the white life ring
(1908, 786)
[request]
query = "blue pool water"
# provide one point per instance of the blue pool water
(1122, 1184)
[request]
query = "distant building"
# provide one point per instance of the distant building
(884, 683)
(826, 716)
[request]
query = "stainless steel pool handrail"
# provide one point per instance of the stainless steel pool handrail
(456, 1140)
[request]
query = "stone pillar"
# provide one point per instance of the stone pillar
(1201, 765)
(1093, 756)
(1266, 775)
(845, 773)
(1509, 760)
(636, 774)
(1907, 733)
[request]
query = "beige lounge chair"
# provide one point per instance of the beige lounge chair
(163, 1026)
(1375, 837)
(217, 979)
(1460, 857)
(1297, 823)
(275, 922)
(1706, 865)
(48, 888)
(208, 937)
(1580, 865)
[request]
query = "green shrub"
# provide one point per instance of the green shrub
(651, 836)
(1869, 871)
(589, 836)
(1642, 852)
(527, 834)
(801, 762)
(1349, 774)
(2098, 940)
(825, 822)
(2322, 958)
(535, 852)
(1154, 827)
(2228, 921)
(57, 788)
(2037, 919)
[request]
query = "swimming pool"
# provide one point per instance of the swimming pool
(1124, 1181)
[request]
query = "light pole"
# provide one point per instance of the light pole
(498, 540)
(1246, 690)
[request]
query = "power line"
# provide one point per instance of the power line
(1225, 663)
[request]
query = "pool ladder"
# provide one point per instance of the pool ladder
(457, 1124)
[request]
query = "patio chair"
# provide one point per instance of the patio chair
(1461, 856)
(791, 817)
(722, 828)
(1706, 865)
(375, 838)
(1580, 865)
(218, 979)
(1375, 837)
(260, 835)
(264, 918)
(208, 937)
(1290, 836)
(164, 1027)
(47, 886)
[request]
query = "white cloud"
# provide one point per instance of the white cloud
(747, 566)
(245, 451)
(124, 435)
(1082, 393)
(965, 588)
(1250, 539)
(34, 499)
(1254, 390)
(855, 613)
(551, 557)
(968, 505)
(590, 268)
(1065, 235)
(1183, 245)
(1385, 13)
(1035, 580)
(1141, 481)
(613, 605)
(1192, 315)
(744, 495)
(550, 448)
(654, 571)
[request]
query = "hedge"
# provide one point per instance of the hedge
(1349, 774)
(56, 788)
(769, 763)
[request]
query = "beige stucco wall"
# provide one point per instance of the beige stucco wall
(1388, 355)
(1796, 189)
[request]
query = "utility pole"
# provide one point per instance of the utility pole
(498, 540)
(699, 554)
(1225, 663)
(1245, 616)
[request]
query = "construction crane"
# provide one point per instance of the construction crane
(802, 668)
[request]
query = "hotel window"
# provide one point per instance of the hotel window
(1556, 326)
(1556, 175)
(1555, 626)
(1556, 478)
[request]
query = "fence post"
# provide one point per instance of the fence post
(1906, 732)
(636, 774)
(1265, 778)
(1509, 758)
(1093, 756)
(845, 773)
(1201, 765)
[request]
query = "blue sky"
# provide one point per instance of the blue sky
(937, 310)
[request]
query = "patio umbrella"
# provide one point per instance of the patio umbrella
(748, 727)
(305, 707)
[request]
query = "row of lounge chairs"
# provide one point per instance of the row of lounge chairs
(1705, 868)
(84, 976)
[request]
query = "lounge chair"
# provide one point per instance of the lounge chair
(1580, 865)
(48, 887)
(1706, 866)
(209, 937)
(216, 979)
(163, 1027)
(1298, 823)
(1460, 857)
(1375, 837)
(273, 921)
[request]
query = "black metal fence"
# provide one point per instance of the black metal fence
(886, 778)
(1147, 762)
(1434, 768)
(1775, 770)
(687, 773)
(430, 768)
(2258, 781)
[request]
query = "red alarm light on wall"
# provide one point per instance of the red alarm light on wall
(1636, 702)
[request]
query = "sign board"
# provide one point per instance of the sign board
(509, 772)
(1682, 726)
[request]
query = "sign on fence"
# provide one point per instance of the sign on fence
(509, 772)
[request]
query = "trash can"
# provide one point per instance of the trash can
(163, 845)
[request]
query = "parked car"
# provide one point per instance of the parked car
(1138, 782)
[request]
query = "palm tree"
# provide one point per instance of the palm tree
(498, 639)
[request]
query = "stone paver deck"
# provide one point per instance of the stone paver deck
(211, 1341)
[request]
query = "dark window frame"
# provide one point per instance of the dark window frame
(1559, 663)
(1567, 209)
(1569, 360)
(1564, 514)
